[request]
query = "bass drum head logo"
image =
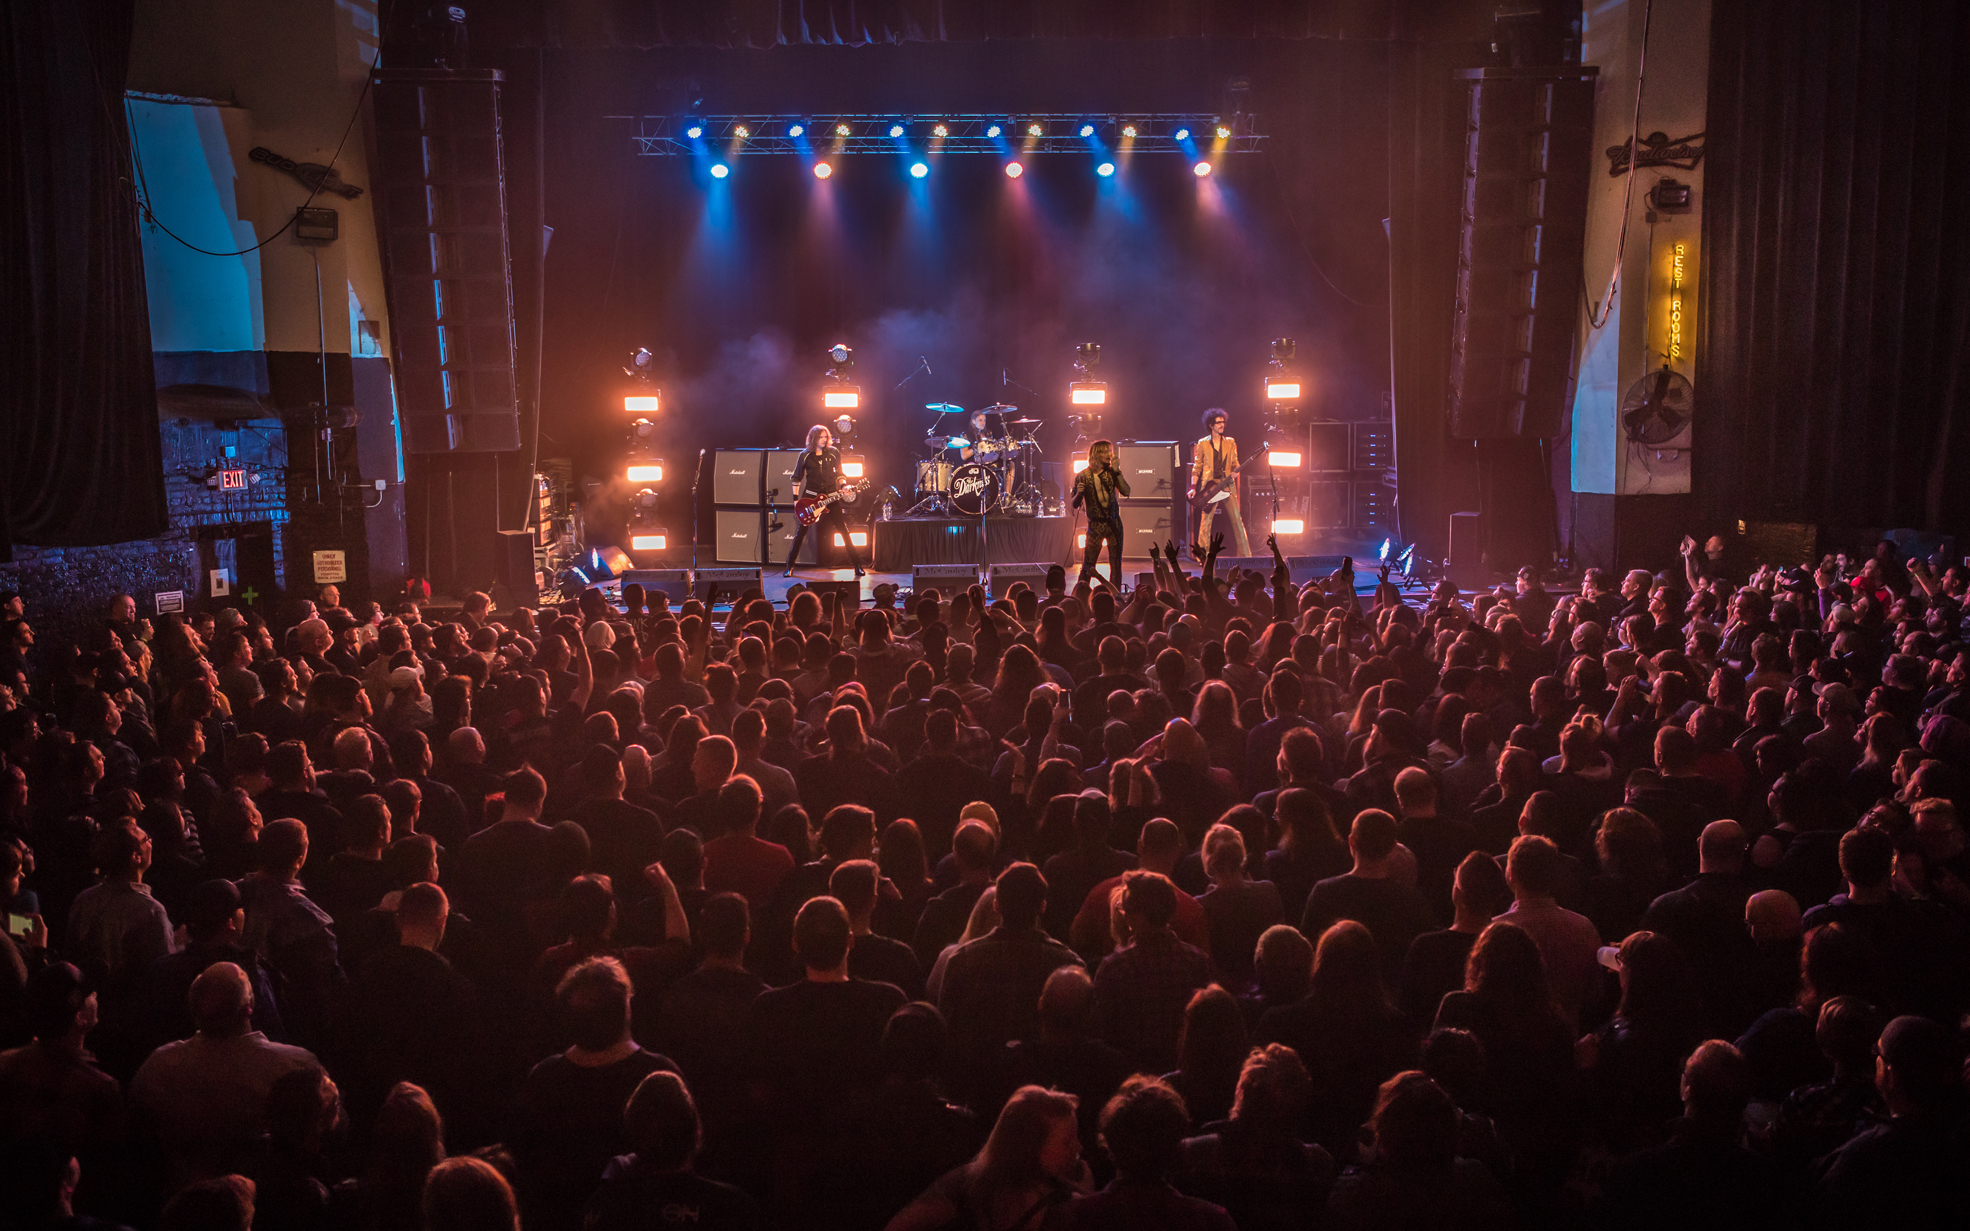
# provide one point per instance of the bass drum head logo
(974, 489)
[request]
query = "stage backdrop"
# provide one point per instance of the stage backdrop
(739, 285)
(1833, 385)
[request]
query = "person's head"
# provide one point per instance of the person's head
(225, 1203)
(283, 848)
(60, 1007)
(468, 1194)
(221, 1001)
(821, 936)
(915, 1044)
(1149, 900)
(1721, 847)
(1282, 964)
(1415, 792)
(1919, 1068)
(1212, 1042)
(1846, 1033)
(1533, 867)
(1867, 858)
(1716, 1086)
(724, 926)
(1772, 917)
(1479, 890)
(660, 1123)
(1372, 839)
(1274, 1090)
(1213, 420)
(524, 791)
(854, 883)
(1414, 1125)
(1034, 1141)
(1022, 897)
(593, 1002)
(422, 910)
(1505, 969)
(407, 1139)
(1142, 1128)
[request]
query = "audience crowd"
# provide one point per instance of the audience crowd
(1225, 902)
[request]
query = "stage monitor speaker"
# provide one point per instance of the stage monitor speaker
(735, 476)
(946, 579)
(440, 190)
(777, 541)
(1144, 525)
(1004, 576)
(1528, 137)
(1467, 568)
(736, 535)
(1303, 569)
(514, 560)
(1150, 466)
(779, 474)
(724, 585)
(845, 589)
(674, 583)
(1330, 448)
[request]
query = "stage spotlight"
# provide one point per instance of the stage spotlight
(844, 426)
(1088, 393)
(1181, 134)
(1035, 129)
(822, 170)
(719, 170)
(1080, 462)
(858, 537)
(1014, 170)
(742, 132)
(1201, 170)
(641, 361)
(1105, 170)
(1282, 389)
(993, 130)
(1285, 459)
(842, 397)
(695, 131)
(1224, 131)
(1128, 130)
(895, 130)
(918, 170)
(1288, 525)
(660, 541)
(796, 130)
(644, 472)
(1087, 130)
(942, 130)
(643, 403)
(852, 468)
(839, 352)
(841, 130)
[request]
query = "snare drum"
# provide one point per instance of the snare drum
(935, 477)
(992, 449)
(975, 489)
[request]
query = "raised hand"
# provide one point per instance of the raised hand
(1170, 549)
(1217, 544)
(1155, 552)
(1197, 552)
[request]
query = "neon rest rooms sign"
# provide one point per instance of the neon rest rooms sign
(1676, 327)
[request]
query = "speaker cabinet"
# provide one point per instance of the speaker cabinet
(777, 541)
(736, 534)
(1467, 567)
(736, 475)
(1005, 575)
(675, 583)
(1150, 466)
(440, 183)
(1329, 447)
(1528, 136)
(946, 579)
(1144, 525)
(779, 474)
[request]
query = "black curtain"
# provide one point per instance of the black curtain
(80, 459)
(1836, 264)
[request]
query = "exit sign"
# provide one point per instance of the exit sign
(232, 480)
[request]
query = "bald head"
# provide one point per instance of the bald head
(1772, 916)
(467, 745)
(1721, 848)
(221, 1001)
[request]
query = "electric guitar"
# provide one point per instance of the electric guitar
(1211, 491)
(808, 509)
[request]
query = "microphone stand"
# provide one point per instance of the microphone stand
(697, 476)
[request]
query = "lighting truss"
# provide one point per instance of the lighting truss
(665, 135)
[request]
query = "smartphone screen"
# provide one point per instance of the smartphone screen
(19, 925)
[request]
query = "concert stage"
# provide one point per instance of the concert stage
(903, 543)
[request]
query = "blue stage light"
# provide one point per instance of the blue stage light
(895, 130)
(919, 170)
(1181, 134)
(796, 130)
(1087, 130)
(993, 130)
(695, 131)
(719, 170)
(1105, 170)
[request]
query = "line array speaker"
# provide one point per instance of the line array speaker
(441, 200)
(1528, 136)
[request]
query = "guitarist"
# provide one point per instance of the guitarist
(1215, 457)
(818, 473)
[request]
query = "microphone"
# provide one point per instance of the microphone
(926, 366)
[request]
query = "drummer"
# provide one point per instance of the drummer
(982, 447)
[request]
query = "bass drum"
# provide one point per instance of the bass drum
(975, 489)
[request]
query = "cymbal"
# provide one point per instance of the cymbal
(944, 408)
(1001, 406)
(1025, 422)
(956, 442)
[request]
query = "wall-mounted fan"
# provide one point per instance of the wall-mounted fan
(1658, 407)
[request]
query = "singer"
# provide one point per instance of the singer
(1099, 489)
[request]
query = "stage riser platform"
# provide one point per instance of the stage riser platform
(901, 544)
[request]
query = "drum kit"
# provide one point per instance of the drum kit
(983, 462)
